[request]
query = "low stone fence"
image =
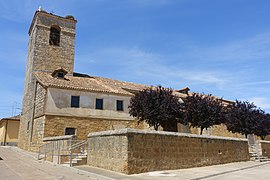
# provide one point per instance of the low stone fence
(135, 151)
(265, 148)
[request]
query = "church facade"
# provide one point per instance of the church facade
(58, 101)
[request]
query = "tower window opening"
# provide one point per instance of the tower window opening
(54, 36)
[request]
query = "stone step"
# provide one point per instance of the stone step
(80, 160)
(259, 158)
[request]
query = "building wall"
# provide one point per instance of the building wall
(50, 126)
(2, 131)
(55, 125)
(27, 125)
(9, 130)
(12, 132)
(134, 151)
(40, 101)
(38, 133)
(58, 102)
(44, 57)
(217, 130)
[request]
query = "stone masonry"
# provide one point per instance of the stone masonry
(50, 126)
(47, 110)
(265, 148)
(44, 57)
(135, 151)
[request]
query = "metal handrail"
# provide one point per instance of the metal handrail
(57, 147)
(80, 146)
(43, 146)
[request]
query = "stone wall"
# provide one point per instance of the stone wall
(44, 57)
(38, 133)
(40, 101)
(49, 57)
(265, 146)
(217, 130)
(109, 152)
(135, 151)
(55, 125)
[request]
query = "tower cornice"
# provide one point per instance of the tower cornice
(44, 13)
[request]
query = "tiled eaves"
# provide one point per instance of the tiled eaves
(93, 84)
(87, 89)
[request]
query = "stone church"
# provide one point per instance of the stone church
(58, 101)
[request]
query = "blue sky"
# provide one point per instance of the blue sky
(219, 47)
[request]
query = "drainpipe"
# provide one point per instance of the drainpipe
(5, 139)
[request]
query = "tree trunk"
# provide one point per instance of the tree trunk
(172, 127)
(201, 130)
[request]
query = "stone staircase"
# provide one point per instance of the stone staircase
(256, 157)
(255, 154)
(79, 159)
(64, 150)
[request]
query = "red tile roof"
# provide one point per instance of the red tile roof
(92, 83)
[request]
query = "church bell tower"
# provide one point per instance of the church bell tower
(51, 46)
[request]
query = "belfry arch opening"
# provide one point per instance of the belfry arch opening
(55, 35)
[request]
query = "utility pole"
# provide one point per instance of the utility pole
(15, 108)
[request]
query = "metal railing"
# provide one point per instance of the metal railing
(55, 147)
(76, 150)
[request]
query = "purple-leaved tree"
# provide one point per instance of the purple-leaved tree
(203, 111)
(241, 117)
(157, 106)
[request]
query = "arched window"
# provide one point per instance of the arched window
(55, 35)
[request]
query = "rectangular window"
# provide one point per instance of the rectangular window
(119, 105)
(75, 101)
(99, 103)
(70, 131)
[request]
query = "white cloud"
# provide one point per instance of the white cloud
(256, 47)
(262, 102)
(256, 83)
(147, 65)
(224, 70)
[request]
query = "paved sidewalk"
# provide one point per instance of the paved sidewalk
(241, 170)
(18, 164)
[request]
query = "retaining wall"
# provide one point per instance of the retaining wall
(265, 147)
(135, 151)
